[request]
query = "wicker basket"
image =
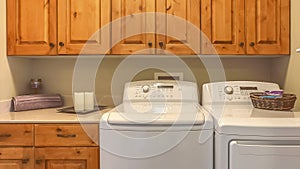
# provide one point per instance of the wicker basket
(285, 103)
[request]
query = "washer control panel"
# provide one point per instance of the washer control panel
(160, 90)
(233, 91)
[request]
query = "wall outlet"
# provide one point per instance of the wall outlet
(168, 76)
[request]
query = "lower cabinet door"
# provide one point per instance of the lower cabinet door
(69, 158)
(16, 158)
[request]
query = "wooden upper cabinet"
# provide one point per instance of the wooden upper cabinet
(81, 26)
(245, 26)
(175, 26)
(223, 26)
(268, 24)
(31, 27)
(133, 30)
(178, 26)
(51, 27)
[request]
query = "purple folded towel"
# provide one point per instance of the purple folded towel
(37, 101)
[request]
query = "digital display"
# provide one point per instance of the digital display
(165, 87)
(248, 88)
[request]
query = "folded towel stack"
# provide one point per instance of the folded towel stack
(38, 101)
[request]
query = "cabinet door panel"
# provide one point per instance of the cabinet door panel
(128, 27)
(10, 164)
(78, 21)
(267, 26)
(31, 27)
(178, 26)
(16, 158)
(69, 158)
(223, 25)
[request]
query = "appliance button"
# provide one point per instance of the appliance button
(146, 88)
(228, 90)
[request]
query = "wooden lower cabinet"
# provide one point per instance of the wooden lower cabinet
(16, 146)
(66, 146)
(16, 158)
(17, 135)
(49, 146)
(66, 135)
(67, 158)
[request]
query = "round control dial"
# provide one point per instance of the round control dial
(228, 90)
(146, 88)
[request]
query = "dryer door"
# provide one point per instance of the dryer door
(264, 155)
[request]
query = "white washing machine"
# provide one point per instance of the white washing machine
(159, 125)
(249, 138)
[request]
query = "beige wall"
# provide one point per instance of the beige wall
(57, 74)
(279, 70)
(292, 83)
(14, 73)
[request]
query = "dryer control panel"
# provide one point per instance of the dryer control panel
(233, 91)
(161, 91)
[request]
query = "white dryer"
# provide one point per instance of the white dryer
(159, 125)
(249, 138)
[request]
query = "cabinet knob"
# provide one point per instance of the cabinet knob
(242, 44)
(252, 44)
(51, 45)
(150, 44)
(25, 161)
(61, 44)
(39, 161)
(161, 44)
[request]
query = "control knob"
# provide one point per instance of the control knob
(228, 90)
(146, 88)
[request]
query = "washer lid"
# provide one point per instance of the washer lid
(159, 119)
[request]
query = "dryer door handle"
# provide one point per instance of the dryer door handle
(265, 148)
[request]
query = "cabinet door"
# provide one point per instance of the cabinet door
(78, 21)
(70, 158)
(130, 26)
(16, 158)
(223, 25)
(31, 27)
(178, 26)
(268, 26)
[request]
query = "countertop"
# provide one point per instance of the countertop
(50, 116)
